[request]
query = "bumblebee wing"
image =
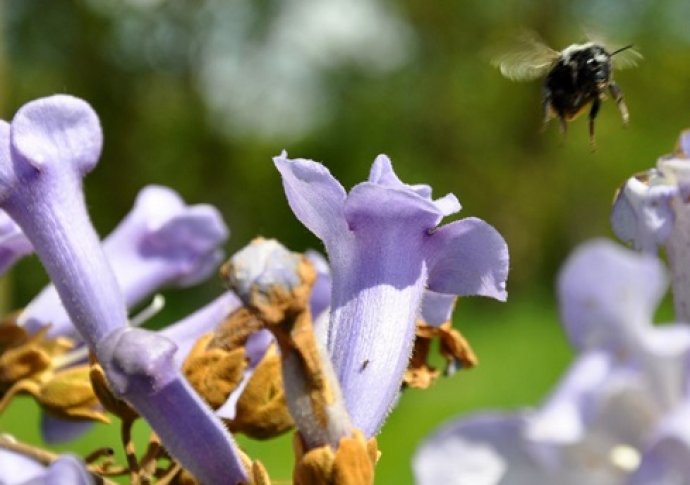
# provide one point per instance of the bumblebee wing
(626, 59)
(623, 58)
(528, 59)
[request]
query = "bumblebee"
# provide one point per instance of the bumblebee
(577, 77)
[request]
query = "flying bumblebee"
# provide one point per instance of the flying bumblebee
(576, 77)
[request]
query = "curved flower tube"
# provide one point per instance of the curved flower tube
(44, 153)
(384, 248)
(161, 242)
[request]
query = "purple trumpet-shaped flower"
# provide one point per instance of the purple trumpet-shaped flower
(161, 242)
(384, 248)
(596, 425)
(651, 210)
(13, 244)
(17, 469)
(44, 153)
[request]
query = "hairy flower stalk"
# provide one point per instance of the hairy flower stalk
(275, 285)
(385, 248)
(44, 153)
(652, 209)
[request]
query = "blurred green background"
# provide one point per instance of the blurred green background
(199, 95)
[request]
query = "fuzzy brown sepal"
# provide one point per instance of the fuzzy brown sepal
(352, 463)
(255, 470)
(111, 403)
(214, 372)
(215, 367)
(32, 364)
(261, 411)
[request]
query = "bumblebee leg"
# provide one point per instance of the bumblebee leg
(594, 110)
(546, 107)
(563, 125)
(618, 96)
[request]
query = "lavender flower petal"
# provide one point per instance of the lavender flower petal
(568, 411)
(437, 308)
(642, 214)
(468, 257)
(484, 449)
(163, 241)
(667, 457)
(66, 469)
(16, 468)
(13, 244)
(55, 430)
(321, 292)
(315, 196)
(599, 273)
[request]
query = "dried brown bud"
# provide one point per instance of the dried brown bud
(453, 347)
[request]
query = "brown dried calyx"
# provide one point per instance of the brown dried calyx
(351, 463)
(454, 348)
(39, 366)
(215, 367)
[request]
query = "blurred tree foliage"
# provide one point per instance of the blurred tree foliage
(443, 114)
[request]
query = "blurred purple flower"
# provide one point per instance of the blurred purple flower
(162, 242)
(596, 425)
(44, 153)
(384, 248)
(17, 469)
(652, 210)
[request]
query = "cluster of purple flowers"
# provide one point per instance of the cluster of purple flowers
(621, 412)
(389, 264)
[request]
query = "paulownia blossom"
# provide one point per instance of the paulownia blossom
(652, 210)
(161, 242)
(45, 151)
(385, 246)
(596, 426)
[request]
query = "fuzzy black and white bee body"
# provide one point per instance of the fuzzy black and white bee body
(576, 78)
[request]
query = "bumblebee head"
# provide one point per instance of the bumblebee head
(597, 64)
